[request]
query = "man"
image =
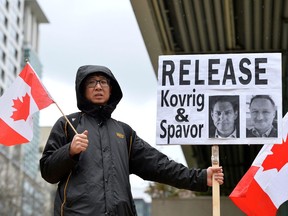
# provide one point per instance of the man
(224, 113)
(262, 111)
(93, 169)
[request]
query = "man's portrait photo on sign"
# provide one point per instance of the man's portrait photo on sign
(224, 116)
(261, 116)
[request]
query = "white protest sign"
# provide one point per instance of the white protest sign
(206, 99)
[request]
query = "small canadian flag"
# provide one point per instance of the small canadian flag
(263, 189)
(19, 102)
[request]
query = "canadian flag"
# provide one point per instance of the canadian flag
(19, 102)
(264, 188)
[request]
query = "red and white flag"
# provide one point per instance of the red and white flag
(264, 188)
(19, 102)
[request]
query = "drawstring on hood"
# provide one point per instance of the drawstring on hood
(102, 112)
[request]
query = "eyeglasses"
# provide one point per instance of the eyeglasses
(93, 83)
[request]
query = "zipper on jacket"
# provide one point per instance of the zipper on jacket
(65, 194)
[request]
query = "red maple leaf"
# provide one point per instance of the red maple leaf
(279, 157)
(22, 108)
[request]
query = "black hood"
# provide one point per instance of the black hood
(103, 111)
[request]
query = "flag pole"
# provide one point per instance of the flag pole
(215, 184)
(66, 118)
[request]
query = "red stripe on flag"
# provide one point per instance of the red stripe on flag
(38, 92)
(9, 137)
(250, 197)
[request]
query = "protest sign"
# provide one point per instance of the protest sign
(206, 99)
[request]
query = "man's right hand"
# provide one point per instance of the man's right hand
(79, 143)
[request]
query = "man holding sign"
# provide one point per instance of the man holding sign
(92, 167)
(186, 116)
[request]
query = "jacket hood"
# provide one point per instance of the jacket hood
(104, 111)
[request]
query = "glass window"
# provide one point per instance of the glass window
(6, 22)
(17, 37)
(7, 5)
(3, 75)
(15, 71)
(19, 4)
(3, 57)
(5, 39)
(16, 54)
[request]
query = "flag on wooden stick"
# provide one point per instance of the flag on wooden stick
(20, 101)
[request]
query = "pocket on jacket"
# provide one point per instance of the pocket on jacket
(74, 193)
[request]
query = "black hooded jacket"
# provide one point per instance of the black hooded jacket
(96, 182)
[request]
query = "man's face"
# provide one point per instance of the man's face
(224, 117)
(97, 89)
(262, 114)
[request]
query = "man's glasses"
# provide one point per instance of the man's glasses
(93, 83)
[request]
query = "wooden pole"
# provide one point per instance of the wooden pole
(66, 118)
(215, 184)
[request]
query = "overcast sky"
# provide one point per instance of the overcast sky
(100, 32)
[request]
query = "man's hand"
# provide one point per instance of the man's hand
(79, 143)
(218, 175)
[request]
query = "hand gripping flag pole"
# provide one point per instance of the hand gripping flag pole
(215, 184)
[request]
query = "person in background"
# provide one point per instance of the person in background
(224, 112)
(92, 170)
(262, 111)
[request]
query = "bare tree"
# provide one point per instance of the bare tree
(158, 190)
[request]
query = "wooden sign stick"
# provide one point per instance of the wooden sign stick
(215, 184)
